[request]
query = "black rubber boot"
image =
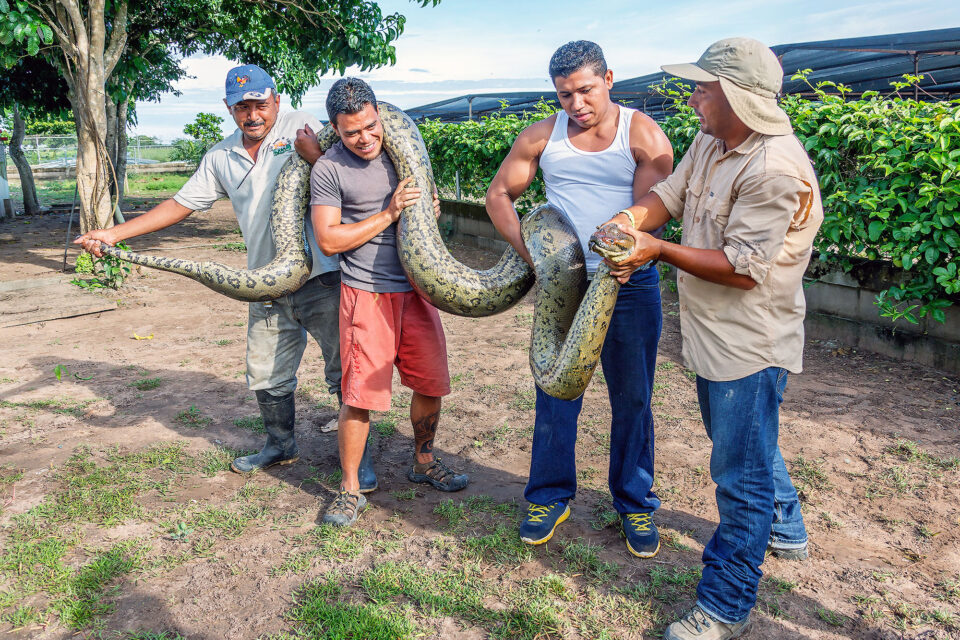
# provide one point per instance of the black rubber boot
(365, 473)
(279, 414)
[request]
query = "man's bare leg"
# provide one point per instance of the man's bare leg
(352, 435)
(424, 416)
(352, 438)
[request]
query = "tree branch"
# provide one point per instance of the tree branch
(118, 40)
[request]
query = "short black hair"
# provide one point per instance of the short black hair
(576, 55)
(349, 95)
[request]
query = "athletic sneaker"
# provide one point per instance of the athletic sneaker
(643, 539)
(542, 521)
(697, 624)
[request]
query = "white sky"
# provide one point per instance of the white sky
(466, 46)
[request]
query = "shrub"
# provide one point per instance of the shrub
(888, 167)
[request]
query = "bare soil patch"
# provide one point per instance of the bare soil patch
(122, 463)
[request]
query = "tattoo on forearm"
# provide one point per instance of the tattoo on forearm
(424, 430)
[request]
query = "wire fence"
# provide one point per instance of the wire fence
(61, 151)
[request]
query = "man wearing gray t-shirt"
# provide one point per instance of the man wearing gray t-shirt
(355, 204)
(244, 168)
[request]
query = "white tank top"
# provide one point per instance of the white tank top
(589, 186)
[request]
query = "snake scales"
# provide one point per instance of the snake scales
(570, 317)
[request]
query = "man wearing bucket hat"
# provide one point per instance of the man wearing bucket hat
(244, 168)
(748, 199)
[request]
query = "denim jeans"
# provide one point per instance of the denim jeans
(277, 335)
(628, 358)
(755, 497)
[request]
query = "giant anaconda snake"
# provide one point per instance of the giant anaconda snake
(570, 319)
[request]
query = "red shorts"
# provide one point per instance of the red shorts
(378, 330)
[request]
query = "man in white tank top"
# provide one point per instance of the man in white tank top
(597, 158)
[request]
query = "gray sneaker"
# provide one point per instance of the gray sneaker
(345, 509)
(697, 624)
(789, 553)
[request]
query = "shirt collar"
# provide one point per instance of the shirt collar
(745, 148)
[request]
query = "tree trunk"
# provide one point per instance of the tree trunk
(111, 140)
(31, 206)
(121, 162)
(80, 29)
(93, 161)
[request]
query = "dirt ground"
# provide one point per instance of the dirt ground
(872, 444)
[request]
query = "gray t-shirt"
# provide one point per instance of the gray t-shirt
(360, 189)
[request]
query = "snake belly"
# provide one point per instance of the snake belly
(570, 319)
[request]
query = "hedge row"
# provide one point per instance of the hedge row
(889, 171)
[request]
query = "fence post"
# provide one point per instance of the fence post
(36, 142)
(456, 178)
(138, 152)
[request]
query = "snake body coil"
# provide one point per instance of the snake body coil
(570, 318)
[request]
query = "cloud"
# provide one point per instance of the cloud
(416, 70)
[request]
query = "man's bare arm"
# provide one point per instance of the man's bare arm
(333, 236)
(163, 215)
(707, 264)
(513, 177)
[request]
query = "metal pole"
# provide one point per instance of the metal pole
(470, 108)
(36, 142)
(456, 177)
(138, 152)
(66, 244)
(916, 72)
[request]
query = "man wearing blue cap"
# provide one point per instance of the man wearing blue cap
(244, 168)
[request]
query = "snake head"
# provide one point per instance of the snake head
(610, 241)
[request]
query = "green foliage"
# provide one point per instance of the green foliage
(476, 148)
(889, 172)
(109, 271)
(22, 32)
(205, 131)
(51, 128)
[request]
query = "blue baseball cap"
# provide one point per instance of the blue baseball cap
(248, 82)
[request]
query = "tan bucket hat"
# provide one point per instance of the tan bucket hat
(750, 76)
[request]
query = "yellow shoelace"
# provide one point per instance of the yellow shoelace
(537, 512)
(639, 521)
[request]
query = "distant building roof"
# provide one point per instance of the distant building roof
(862, 64)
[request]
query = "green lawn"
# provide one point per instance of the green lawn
(141, 184)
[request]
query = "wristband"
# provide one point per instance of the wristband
(629, 214)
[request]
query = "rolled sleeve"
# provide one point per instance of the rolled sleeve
(673, 189)
(759, 219)
(202, 189)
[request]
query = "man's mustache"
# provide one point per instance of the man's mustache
(253, 123)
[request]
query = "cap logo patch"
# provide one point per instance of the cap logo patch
(242, 80)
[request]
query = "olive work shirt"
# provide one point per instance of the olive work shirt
(760, 204)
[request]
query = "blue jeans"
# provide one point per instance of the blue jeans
(277, 335)
(628, 358)
(755, 497)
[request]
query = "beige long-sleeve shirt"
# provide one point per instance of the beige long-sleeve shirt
(760, 204)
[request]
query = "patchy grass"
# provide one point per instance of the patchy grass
(146, 384)
(582, 557)
(251, 423)
(231, 246)
(524, 400)
(193, 418)
(66, 406)
(809, 476)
